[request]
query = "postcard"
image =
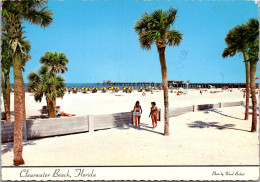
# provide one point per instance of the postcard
(130, 90)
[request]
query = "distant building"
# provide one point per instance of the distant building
(175, 82)
(106, 81)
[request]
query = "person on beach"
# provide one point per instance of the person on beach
(137, 113)
(153, 114)
(66, 114)
(62, 113)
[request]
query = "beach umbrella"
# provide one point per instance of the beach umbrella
(32, 89)
(12, 89)
(94, 88)
(125, 88)
(75, 88)
(110, 88)
(140, 87)
(160, 87)
(154, 88)
(103, 88)
(87, 89)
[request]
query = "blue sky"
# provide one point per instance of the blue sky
(100, 43)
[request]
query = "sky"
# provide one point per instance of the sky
(98, 38)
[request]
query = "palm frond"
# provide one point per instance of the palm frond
(171, 15)
(229, 52)
(45, 83)
(146, 40)
(174, 37)
(56, 61)
(6, 61)
(43, 70)
(154, 27)
(143, 24)
(41, 17)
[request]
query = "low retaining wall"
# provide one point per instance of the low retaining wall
(39, 128)
(230, 104)
(182, 110)
(56, 126)
(112, 120)
(7, 131)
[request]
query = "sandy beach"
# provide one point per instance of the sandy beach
(211, 137)
(107, 103)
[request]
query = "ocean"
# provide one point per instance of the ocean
(91, 85)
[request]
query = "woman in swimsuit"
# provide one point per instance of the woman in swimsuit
(153, 114)
(137, 111)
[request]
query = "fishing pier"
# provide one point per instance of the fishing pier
(178, 84)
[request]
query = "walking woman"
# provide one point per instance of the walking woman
(153, 114)
(137, 113)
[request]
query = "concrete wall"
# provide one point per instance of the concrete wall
(112, 120)
(230, 104)
(182, 110)
(7, 131)
(40, 128)
(56, 126)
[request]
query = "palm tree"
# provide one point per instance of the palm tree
(45, 83)
(253, 49)
(57, 62)
(6, 63)
(13, 13)
(236, 41)
(155, 28)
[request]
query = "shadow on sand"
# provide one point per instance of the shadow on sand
(143, 126)
(219, 112)
(8, 147)
(216, 125)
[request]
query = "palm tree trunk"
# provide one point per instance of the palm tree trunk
(51, 109)
(254, 101)
(6, 94)
(24, 107)
(18, 111)
(247, 86)
(54, 104)
(161, 51)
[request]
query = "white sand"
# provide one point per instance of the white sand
(107, 103)
(217, 137)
